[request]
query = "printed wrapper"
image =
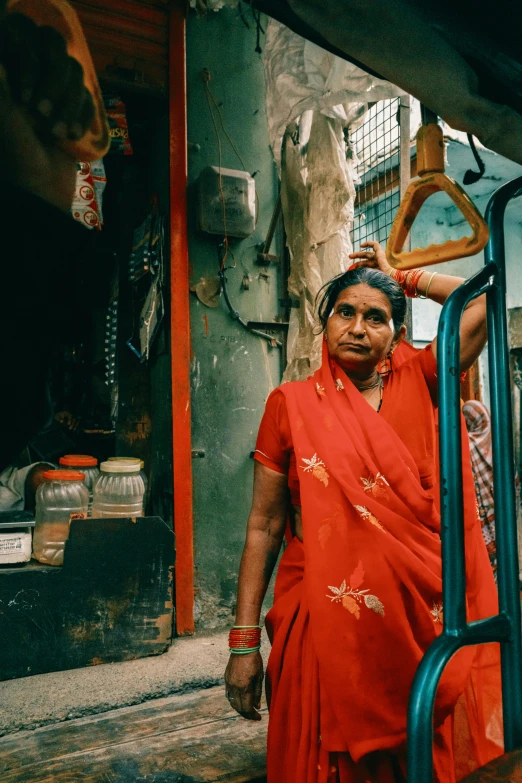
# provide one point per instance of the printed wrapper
(118, 127)
(87, 201)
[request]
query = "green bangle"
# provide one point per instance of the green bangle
(247, 626)
(235, 651)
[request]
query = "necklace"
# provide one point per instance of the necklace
(379, 383)
(381, 389)
(374, 385)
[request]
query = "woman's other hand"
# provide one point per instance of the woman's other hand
(244, 684)
(374, 257)
(66, 419)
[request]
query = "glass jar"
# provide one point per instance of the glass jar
(134, 460)
(85, 464)
(61, 496)
(119, 490)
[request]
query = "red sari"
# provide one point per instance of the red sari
(359, 602)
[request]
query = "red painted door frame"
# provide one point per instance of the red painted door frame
(180, 324)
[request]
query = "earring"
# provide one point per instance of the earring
(385, 366)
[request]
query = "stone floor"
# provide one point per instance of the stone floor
(191, 663)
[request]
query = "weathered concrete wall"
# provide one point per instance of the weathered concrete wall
(232, 371)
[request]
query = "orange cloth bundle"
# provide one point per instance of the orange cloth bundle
(60, 15)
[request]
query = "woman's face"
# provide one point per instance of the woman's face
(360, 331)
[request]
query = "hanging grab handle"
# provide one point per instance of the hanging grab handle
(431, 179)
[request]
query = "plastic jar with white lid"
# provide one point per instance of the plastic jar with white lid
(61, 496)
(118, 491)
(85, 464)
(142, 474)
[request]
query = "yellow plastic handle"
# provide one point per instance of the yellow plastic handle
(430, 159)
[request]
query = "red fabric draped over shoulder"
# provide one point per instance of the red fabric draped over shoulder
(359, 602)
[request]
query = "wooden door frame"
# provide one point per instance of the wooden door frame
(180, 324)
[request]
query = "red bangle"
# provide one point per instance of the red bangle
(246, 642)
(411, 282)
(244, 638)
(399, 276)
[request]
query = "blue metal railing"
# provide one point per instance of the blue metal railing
(506, 626)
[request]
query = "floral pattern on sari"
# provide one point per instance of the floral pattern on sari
(352, 598)
(437, 612)
(376, 486)
(335, 523)
(317, 468)
(366, 514)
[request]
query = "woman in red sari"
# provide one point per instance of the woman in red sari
(349, 458)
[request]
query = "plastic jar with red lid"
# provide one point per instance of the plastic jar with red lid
(61, 496)
(85, 464)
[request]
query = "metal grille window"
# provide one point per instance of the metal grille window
(380, 166)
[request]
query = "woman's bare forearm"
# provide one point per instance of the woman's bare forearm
(257, 564)
(265, 531)
(473, 328)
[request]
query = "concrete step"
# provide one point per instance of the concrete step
(190, 738)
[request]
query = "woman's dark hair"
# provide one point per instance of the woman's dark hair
(375, 279)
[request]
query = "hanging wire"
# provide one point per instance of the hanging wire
(213, 106)
(471, 176)
(241, 15)
(235, 315)
(259, 29)
(224, 249)
(206, 78)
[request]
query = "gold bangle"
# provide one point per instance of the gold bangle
(428, 287)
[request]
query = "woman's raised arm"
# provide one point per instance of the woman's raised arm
(265, 531)
(473, 329)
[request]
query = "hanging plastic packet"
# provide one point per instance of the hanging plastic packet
(139, 260)
(84, 207)
(100, 180)
(88, 195)
(118, 127)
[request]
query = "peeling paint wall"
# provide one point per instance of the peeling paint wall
(232, 371)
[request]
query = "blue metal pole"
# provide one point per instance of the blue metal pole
(450, 451)
(506, 626)
(424, 689)
(503, 466)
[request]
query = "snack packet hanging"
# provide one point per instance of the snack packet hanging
(100, 180)
(84, 207)
(118, 127)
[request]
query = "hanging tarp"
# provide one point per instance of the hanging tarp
(468, 74)
(300, 76)
(313, 101)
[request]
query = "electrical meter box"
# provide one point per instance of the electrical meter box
(226, 202)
